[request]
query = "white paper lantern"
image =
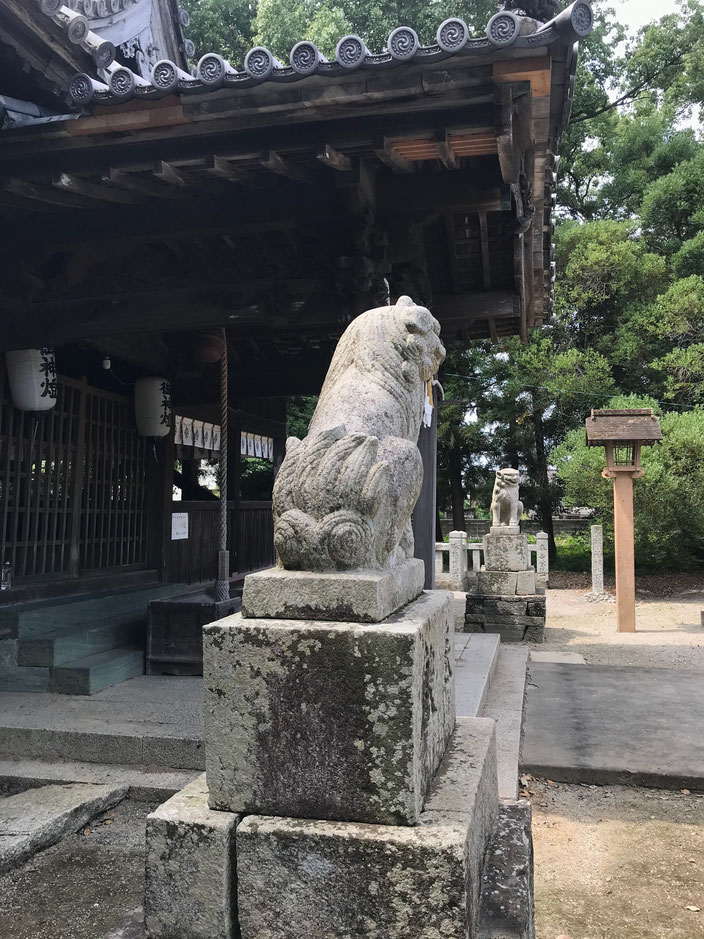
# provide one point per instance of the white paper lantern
(32, 376)
(152, 406)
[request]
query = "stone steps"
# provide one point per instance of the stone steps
(13, 678)
(144, 784)
(71, 643)
(476, 657)
(37, 818)
(93, 673)
(504, 703)
(27, 620)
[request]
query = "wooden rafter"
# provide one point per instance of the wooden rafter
(146, 185)
(83, 187)
(334, 159)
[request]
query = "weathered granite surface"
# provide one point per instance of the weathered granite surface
(339, 596)
(507, 906)
(506, 507)
(37, 818)
(506, 552)
(190, 890)
(329, 721)
(344, 495)
(322, 879)
(515, 618)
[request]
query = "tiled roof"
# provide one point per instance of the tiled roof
(114, 84)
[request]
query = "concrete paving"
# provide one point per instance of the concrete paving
(615, 725)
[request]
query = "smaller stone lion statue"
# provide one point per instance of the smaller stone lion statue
(344, 494)
(506, 507)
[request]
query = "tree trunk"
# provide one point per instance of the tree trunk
(456, 489)
(543, 484)
(512, 456)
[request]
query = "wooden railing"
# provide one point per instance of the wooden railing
(194, 560)
(255, 537)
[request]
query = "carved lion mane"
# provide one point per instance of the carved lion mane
(344, 494)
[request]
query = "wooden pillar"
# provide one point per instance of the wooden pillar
(424, 514)
(623, 546)
(234, 469)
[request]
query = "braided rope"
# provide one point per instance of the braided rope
(222, 584)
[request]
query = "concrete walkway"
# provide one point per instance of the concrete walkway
(608, 724)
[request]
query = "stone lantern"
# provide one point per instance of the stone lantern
(622, 433)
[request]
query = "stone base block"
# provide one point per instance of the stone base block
(507, 908)
(329, 720)
(190, 890)
(339, 596)
(505, 550)
(324, 879)
(515, 618)
(505, 583)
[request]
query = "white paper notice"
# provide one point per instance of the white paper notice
(179, 526)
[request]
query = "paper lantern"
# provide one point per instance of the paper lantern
(32, 376)
(152, 406)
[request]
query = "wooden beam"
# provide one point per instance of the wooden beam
(492, 329)
(448, 157)
(386, 153)
(486, 262)
(222, 169)
(273, 161)
(452, 253)
(168, 173)
(146, 185)
(68, 200)
(334, 159)
(466, 307)
(509, 159)
(82, 187)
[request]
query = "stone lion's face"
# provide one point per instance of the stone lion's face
(509, 477)
(422, 344)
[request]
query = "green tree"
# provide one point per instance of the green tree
(668, 508)
(222, 26)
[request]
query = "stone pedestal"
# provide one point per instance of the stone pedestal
(505, 552)
(331, 721)
(325, 879)
(505, 598)
(339, 596)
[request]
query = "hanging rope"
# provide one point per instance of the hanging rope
(222, 584)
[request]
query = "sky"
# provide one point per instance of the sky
(636, 13)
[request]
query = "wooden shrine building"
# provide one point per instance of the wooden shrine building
(151, 200)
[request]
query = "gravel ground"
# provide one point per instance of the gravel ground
(668, 633)
(617, 862)
(81, 887)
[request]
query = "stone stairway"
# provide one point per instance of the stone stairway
(76, 647)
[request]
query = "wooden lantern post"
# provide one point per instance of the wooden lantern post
(622, 433)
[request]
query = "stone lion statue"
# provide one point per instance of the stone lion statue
(506, 507)
(344, 494)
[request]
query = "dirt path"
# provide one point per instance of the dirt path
(617, 863)
(669, 631)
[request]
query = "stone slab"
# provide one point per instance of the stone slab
(507, 903)
(323, 879)
(341, 596)
(525, 583)
(130, 926)
(496, 582)
(615, 725)
(143, 784)
(476, 656)
(329, 721)
(563, 658)
(505, 551)
(190, 887)
(504, 704)
(37, 818)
